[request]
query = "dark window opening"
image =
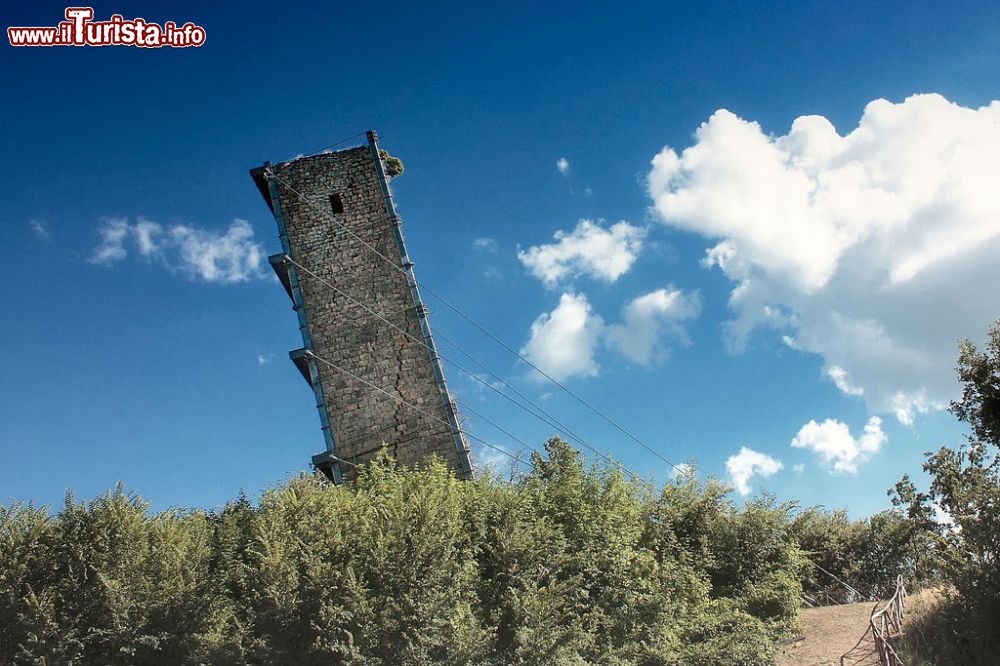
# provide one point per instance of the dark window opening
(336, 204)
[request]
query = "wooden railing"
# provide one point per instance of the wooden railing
(887, 622)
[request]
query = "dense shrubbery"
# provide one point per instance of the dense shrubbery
(567, 564)
(867, 554)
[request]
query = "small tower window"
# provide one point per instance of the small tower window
(337, 204)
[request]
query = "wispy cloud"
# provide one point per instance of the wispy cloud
(843, 382)
(563, 165)
(264, 359)
(648, 321)
(485, 244)
(481, 385)
(222, 256)
(491, 272)
(40, 229)
(114, 232)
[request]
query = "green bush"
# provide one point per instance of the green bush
(393, 165)
(569, 564)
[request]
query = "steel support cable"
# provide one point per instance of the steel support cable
(635, 476)
(682, 470)
(573, 394)
(542, 415)
(339, 143)
(467, 408)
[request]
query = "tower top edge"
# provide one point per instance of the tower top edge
(322, 155)
(370, 138)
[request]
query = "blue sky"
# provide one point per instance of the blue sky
(147, 367)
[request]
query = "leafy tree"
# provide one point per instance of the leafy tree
(965, 486)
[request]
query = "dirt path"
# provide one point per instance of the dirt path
(831, 632)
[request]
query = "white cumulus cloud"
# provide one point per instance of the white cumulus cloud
(232, 255)
(563, 165)
(650, 321)
(590, 249)
(857, 247)
(562, 342)
(832, 441)
(747, 464)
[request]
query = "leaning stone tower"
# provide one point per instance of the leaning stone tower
(374, 385)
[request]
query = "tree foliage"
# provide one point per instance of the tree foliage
(569, 564)
(965, 487)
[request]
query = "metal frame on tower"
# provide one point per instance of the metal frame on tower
(451, 411)
(327, 462)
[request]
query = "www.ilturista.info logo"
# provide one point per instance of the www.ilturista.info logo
(79, 29)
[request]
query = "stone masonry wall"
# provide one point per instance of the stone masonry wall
(363, 419)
